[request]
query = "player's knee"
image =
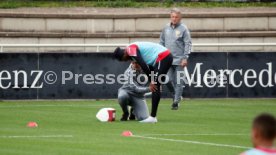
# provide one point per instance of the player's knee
(141, 114)
(156, 93)
(141, 117)
(179, 85)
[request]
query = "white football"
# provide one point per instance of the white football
(106, 115)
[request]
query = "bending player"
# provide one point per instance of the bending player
(132, 94)
(263, 135)
(155, 60)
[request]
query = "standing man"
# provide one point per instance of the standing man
(176, 37)
(155, 60)
(132, 94)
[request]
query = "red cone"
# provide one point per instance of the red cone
(127, 133)
(32, 125)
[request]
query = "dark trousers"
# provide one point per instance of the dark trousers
(160, 68)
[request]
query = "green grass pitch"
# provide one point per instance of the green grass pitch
(199, 127)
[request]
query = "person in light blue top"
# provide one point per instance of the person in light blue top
(263, 135)
(148, 52)
(155, 60)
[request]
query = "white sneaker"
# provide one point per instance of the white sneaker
(149, 120)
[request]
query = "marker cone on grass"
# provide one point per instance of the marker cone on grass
(127, 133)
(32, 125)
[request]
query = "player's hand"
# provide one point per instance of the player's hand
(152, 87)
(184, 63)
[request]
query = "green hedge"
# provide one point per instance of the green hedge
(128, 3)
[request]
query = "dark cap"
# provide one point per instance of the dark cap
(119, 53)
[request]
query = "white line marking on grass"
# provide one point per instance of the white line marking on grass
(39, 136)
(198, 134)
(51, 105)
(192, 142)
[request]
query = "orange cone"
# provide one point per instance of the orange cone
(127, 133)
(32, 125)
